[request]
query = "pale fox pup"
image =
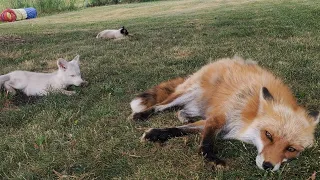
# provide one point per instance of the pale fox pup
(39, 84)
(113, 34)
(237, 99)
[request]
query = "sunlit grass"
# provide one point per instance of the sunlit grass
(88, 135)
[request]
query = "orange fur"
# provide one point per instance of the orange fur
(243, 100)
(160, 92)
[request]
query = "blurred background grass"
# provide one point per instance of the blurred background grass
(53, 6)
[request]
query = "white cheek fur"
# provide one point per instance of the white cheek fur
(252, 135)
(258, 143)
(259, 161)
(276, 167)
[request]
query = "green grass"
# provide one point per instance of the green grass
(47, 7)
(88, 136)
(44, 7)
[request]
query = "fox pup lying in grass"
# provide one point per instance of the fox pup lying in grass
(39, 84)
(113, 34)
(238, 100)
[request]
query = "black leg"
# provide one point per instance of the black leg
(207, 148)
(143, 115)
(164, 134)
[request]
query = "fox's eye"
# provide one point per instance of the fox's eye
(72, 75)
(269, 136)
(291, 149)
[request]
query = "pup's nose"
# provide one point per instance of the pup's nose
(267, 165)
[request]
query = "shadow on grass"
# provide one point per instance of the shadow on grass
(19, 99)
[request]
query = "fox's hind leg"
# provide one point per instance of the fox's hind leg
(143, 105)
(191, 110)
(187, 116)
(169, 102)
(175, 99)
(155, 95)
(186, 99)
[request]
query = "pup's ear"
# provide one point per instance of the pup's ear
(122, 27)
(315, 115)
(76, 59)
(62, 64)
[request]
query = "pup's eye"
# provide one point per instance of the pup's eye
(269, 136)
(291, 149)
(72, 75)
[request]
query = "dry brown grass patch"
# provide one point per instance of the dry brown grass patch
(11, 39)
(181, 52)
(10, 54)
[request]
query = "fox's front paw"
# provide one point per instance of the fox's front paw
(211, 160)
(142, 115)
(155, 135)
(218, 164)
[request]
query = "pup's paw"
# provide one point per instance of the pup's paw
(84, 84)
(70, 93)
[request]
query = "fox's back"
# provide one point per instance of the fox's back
(232, 85)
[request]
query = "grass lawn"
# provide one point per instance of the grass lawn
(88, 135)
(45, 3)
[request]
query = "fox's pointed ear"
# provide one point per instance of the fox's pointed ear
(76, 59)
(62, 64)
(315, 115)
(265, 94)
(264, 97)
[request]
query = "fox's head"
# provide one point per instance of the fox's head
(283, 131)
(69, 72)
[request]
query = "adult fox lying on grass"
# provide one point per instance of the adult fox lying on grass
(238, 100)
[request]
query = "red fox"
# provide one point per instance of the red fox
(237, 99)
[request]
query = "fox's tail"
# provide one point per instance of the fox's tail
(3, 79)
(155, 95)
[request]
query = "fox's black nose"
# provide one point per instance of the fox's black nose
(267, 165)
